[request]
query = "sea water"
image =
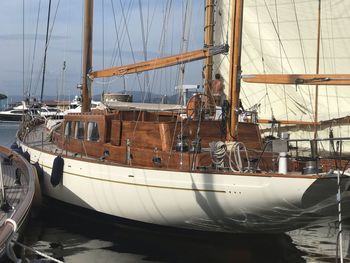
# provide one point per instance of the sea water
(70, 237)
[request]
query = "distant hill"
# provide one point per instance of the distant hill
(138, 96)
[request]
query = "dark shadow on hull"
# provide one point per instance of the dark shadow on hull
(320, 199)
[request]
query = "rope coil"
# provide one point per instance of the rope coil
(217, 152)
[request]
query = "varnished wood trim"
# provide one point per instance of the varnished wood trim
(266, 121)
(193, 172)
(299, 79)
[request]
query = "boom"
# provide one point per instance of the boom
(160, 62)
(299, 79)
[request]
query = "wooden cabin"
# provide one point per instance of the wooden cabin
(149, 139)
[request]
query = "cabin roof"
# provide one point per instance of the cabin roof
(118, 105)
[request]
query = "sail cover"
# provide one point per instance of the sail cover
(280, 37)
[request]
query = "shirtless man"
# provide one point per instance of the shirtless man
(217, 89)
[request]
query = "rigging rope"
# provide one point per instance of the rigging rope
(144, 47)
(304, 62)
(117, 51)
(262, 58)
(37, 252)
(23, 46)
(34, 50)
(103, 37)
(186, 28)
(131, 47)
(228, 20)
(332, 51)
(166, 20)
(64, 66)
(281, 61)
(46, 46)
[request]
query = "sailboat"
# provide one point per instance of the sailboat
(175, 166)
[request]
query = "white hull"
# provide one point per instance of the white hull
(200, 201)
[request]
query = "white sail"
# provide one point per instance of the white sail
(280, 37)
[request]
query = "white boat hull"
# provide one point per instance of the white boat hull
(199, 201)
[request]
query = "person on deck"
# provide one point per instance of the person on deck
(217, 90)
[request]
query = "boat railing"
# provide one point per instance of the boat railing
(308, 155)
(320, 147)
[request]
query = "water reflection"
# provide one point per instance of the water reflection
(319, 243)
(82, 239)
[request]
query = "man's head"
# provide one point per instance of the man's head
(217, 76)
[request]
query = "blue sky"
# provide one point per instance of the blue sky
(65, 44)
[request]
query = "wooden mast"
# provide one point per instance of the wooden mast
(235, 67)
(87, 56)
(208, 43)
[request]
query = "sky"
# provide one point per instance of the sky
(22, 48)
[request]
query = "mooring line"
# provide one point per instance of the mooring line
(37, 252)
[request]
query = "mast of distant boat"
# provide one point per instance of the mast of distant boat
(45, 54)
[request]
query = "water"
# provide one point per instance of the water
(73, 237)
(7, 133)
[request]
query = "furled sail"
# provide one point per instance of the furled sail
(280, 37)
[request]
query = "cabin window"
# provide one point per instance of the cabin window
(79, 130)
(92, 132)
(68, 129)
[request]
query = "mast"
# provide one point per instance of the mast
(208, 43)
(87, 56)
(235, 67)
(45, 54)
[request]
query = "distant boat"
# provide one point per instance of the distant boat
(3, 96)
(17, 113)
(50, 112)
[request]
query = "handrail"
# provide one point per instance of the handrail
(319, 139)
